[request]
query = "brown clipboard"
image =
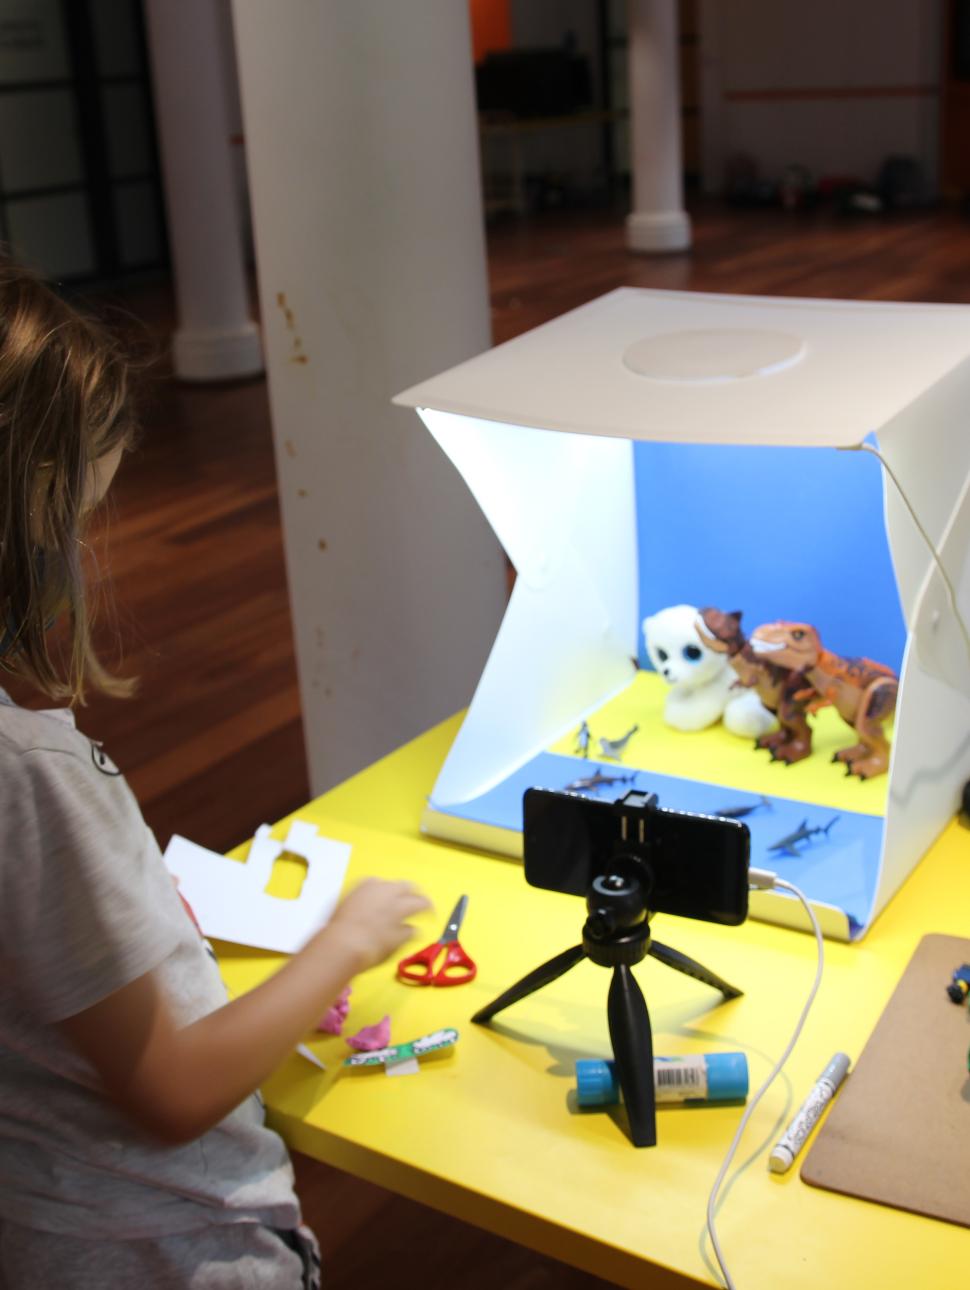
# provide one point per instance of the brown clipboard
(899, 1131)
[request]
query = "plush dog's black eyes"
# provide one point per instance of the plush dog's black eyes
(662, 655)
(692, 653)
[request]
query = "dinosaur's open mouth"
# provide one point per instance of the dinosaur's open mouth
(766, 647)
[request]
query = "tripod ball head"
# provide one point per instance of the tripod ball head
(615, 900)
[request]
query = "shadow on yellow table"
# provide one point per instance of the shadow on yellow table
(492, 1134)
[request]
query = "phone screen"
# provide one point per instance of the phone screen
(699, 863)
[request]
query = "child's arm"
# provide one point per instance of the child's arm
(177, 1083)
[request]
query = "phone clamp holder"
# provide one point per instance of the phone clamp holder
(616, 935)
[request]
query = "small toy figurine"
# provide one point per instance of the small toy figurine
(786, 846)
(862, 692)
(739, 812)
(597, 781)
(614, 748)
(582, 740)
(959, 986)
(780, 691)
(701, 684)
(964, 813)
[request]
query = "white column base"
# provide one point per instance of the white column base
(217, 355)
(658, 233)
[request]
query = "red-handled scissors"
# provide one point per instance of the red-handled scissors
(455, 969)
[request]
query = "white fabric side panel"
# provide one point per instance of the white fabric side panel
(930, 764)
(563, 507)
(928, 448)
(931, 747)
(942, 641)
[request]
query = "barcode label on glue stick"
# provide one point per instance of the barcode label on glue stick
(678, 1078)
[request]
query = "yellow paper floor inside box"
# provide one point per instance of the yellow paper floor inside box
(716, 756)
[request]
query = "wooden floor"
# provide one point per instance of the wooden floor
(213, 744)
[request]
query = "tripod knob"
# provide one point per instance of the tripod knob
(614, 901)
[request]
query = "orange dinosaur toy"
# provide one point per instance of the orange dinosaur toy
(863, 692)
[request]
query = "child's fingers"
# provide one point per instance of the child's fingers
(414, 901)
(406, 897)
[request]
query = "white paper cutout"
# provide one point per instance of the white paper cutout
(310, 1055)
(229, 898)
(408, 1067)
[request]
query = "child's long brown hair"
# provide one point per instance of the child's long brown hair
(64, 404)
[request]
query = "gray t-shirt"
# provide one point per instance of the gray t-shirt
(87, 906)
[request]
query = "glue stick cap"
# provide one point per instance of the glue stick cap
(727, 1077)
(596, 1083)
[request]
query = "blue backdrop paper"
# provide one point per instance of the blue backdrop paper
(778, 533)
(840, 868)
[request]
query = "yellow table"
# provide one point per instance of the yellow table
(490, 1134)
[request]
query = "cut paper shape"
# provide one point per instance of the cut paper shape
(407, 1067)
(332, 1021)
(370, 1038)
(229, 897)
(310, 1055)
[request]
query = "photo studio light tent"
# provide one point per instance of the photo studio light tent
(653, 448)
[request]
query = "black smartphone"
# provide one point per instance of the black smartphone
(695, 866)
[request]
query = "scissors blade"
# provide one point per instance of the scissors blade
(454, 922)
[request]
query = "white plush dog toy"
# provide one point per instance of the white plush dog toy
(701, 682)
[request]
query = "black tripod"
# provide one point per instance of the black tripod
(616, 935)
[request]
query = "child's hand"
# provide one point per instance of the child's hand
(372, 920)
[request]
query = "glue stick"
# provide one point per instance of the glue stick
(701, 1077)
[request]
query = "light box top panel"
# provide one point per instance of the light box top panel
(690, 367)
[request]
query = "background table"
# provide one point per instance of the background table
(491, 1134)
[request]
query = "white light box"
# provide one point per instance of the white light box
(657, 448)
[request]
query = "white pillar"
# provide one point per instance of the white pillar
(216, 338)
(362, 149)
(658, 222)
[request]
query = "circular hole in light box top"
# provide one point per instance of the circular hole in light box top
(698, 357)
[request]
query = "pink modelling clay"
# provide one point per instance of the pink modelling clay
(332, 1021)
(372, 1037)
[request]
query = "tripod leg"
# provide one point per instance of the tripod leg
(674, 959)
(529, 984)
(629, 1021)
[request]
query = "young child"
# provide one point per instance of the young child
(132, 1146)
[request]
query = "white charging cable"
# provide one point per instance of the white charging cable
(764, 880)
